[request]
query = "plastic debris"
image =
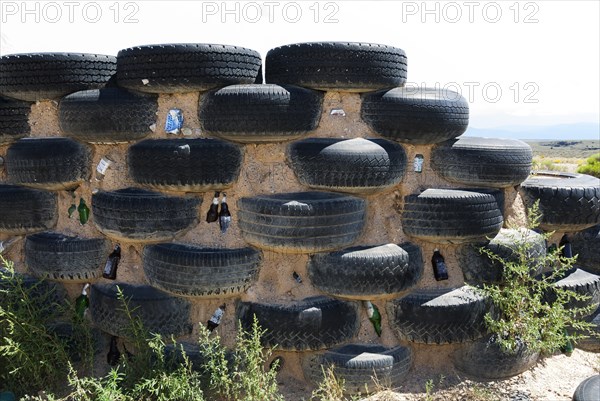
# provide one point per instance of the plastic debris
(174, 121)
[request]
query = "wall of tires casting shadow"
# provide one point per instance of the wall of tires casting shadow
(330, 205)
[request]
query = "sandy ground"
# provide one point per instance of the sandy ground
(265, 170)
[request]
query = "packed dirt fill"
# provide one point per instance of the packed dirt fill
(265, 170)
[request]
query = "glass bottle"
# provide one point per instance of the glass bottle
(215, 319)
(113, 356)
(440, 271)
(374, 316)
(112, 263)
(224, 215)
(84, 211)
(82, 302)
(567, 249)
(213, 211)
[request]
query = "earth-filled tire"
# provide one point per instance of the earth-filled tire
(478, 268)
(301, 222)
(588, 389)
(75, 340)
(367, 272)
(48, 163)
(585, 245)
(61, 257)
(451, 216)
(568, 201)
(484, 359)
(46, 76)
(138, 215)
(14, 120)
(313, 323)
(582, 283)
(489, 162)
(592, 341)
(159, 312)
(185, 67)
(174, 358)
(190, 165)
(416, 115)
(25, 210)
(195, 271)
(347, 165)
(439, 316)
(359, 365)
(43, 294)
(337, 66)
(260, 113)
(108, 115)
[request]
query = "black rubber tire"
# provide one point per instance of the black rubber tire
(439, 316)
(568, 201)
(582, 283)
(43, 294)
(194, 271)
(60, 257)
(592, 341)
(260, 113)
(26, 210)
(193, 67)
(14, 120)
(74, 339)
(367, 272)
(416, 115)
(159, 312)
(588, 389)
(138, 215)
(313, 323)
(359, 365)
(585, 245)
(48, 163)
(490, 162)
(485, 360)
(301, 222)
(451, 216)
(109, 115)
(190, 165)
(337, 66)
(173, 354)
(348, 165)
(46, 76)
(478, 268)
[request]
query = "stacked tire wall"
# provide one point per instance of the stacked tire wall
(270, 182)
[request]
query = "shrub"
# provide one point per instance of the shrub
(33, 357)
(522, 312)
(592, 166)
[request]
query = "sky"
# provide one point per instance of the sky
(516, 62)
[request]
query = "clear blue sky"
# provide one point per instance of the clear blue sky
(543, 56)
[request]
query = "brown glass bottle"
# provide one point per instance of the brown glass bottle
(440, 271)
(112, 263)
(567, 250)
(113, 356)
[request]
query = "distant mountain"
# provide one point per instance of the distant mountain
(580, 131)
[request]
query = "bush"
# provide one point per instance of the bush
(522, 312)
(33, 357)
(592, 166)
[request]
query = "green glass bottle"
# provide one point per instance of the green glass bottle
(72, 209)
(82, 302)
(374, 316)
(84, 211)
(567, 349)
